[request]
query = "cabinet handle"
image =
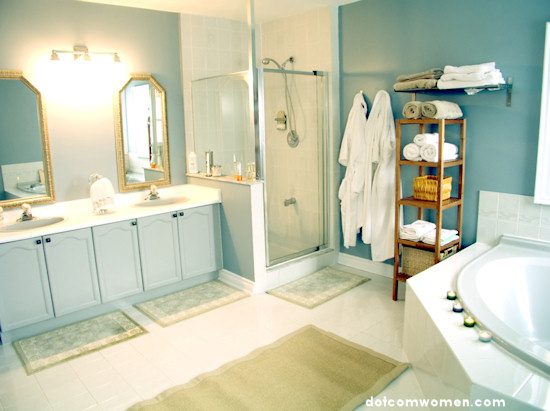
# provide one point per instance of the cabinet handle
(134, 222)
(48, 240)
(175, 215)
(181, 213)
(38, 242)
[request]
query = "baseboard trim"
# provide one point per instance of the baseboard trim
(235, 280)
(384, 270)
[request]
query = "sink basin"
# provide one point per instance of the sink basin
(161, 202)
(30, 224)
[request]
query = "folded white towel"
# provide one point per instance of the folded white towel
(492, 79)
(476, 68)
(446, 236)
(412, 152)
(441, 109)
(415, 231)
(412, 109)
(428, 74)
(463, 76)
(429, 152)
(426, 138)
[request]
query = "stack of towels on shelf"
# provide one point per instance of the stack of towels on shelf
(425, 147)
(415, 81)
(437, 109)
(474, 76)
(425, 232)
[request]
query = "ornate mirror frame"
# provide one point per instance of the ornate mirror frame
(119, 136)
(49, 196)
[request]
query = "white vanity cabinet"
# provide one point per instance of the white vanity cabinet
(179, 245)
(159, 249)
(72, 270)
(117, 258)
(24, 289)
(199, 240)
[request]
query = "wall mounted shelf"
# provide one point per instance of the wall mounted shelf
(469, 91)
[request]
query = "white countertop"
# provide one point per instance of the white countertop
(79, 213)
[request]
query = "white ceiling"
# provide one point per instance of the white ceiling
(234, 9)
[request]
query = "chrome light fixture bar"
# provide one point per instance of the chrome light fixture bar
(82, 52)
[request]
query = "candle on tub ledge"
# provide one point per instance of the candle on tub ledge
(451, 295)
(457, 307)
(485, 336)
(469, 321)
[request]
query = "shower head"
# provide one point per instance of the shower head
(267, 60)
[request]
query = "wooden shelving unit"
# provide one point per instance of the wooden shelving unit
(439, 205)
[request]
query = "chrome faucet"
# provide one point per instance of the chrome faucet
(153, 193)
(27, 215)
(290, 201)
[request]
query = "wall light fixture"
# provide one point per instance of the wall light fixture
(82, 53)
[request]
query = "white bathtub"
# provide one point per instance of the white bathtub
(507, 291)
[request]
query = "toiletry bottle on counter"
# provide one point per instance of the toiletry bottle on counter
(239, 172)
(192, 166)
(209, 162)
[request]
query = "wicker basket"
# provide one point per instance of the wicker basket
(414, 260)
(425, 188)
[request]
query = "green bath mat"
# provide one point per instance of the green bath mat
(309, 369)
(319, 287)
(51, 348)
(172, 308)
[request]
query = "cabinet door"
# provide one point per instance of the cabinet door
(117, 258)
(158, 247)
(24, 290)
(199, 240)
(72, 270)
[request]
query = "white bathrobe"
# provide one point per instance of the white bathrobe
(379, 196)
(352, 156)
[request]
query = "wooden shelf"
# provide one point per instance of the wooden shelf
(438, 251)
(403, 277)
(429, 121)
(412, 202)
(429, 247)
(446, 164)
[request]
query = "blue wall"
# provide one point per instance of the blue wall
(380, 39)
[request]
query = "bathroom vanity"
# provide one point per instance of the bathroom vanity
(88, 264)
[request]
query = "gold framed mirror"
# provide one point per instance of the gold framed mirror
(141, 134)
(25, 163)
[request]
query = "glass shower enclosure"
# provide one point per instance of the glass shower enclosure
(292, 152)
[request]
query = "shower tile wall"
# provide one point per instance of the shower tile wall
(210, 47)
(294, 172)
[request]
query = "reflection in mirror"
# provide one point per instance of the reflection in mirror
(141, 134)
(25, 166)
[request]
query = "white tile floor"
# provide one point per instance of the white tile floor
(116, 377)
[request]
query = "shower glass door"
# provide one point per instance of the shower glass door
(293, 143)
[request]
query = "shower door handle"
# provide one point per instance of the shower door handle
(289, 201)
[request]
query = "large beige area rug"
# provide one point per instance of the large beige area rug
(51, 348)
(309, 369)
(319, 287)
(179, 306)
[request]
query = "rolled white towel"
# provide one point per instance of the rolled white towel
(426, 138)
(475, 68)
(446, 236)
(440, 109)
(412, 109)
(429, 152)
(416, 230)
(412, 152)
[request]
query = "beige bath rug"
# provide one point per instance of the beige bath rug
(51, 348)
(172, 308)
(309, 369)
(319, 287)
